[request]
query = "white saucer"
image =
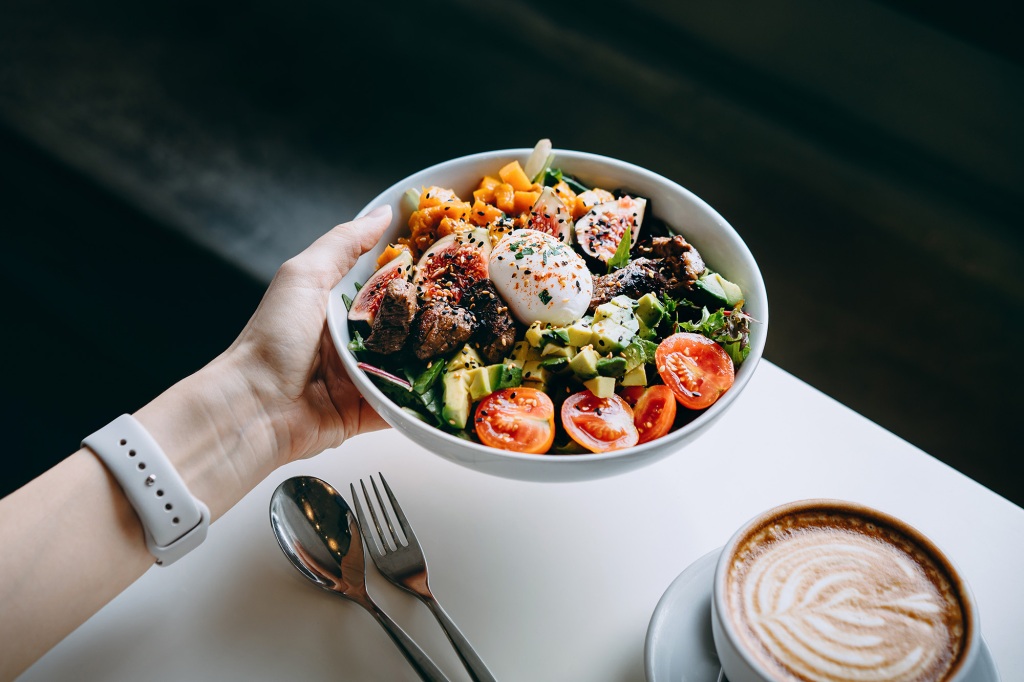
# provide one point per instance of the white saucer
(679, 645)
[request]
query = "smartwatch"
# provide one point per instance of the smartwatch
(174, 521)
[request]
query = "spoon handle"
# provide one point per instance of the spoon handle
(417, 658)
(477, 670)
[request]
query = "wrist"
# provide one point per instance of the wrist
(214, 430)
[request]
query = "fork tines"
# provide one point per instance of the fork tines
(392, 536)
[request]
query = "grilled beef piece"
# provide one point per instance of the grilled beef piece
(440, 328)
(641, 276)
(679, 259)
(496, 331)
(394, 317)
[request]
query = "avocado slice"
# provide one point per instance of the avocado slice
(509, 376)
(584, 364)
(558, 364)
(610, 337)
(520, 354)
(602, 387)
(557, 350)
(536, 334)
(456, 404)
(536, 375)
(466, 358)
(650, 311)
(579, 331)
(635, 377)
(616, 313)
(611, 367)
(484, 381)
(722, 290)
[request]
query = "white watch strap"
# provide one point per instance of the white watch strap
(174, 521)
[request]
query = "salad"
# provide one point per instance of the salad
(545, 315)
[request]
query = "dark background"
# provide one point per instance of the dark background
(159, 160)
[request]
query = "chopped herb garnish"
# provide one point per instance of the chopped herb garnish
(545, 297)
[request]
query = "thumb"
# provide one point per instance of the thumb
(333, 255)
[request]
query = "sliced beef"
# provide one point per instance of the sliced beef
(440, 328)
(678, 258)
(495, 332)
(641, 276)
(394, 318)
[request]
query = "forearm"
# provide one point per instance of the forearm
(71, 539)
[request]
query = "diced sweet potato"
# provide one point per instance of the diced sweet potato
(588, 199)
(504, 197)
(484, 194)
(489, 182)
(524, 201)
(565, 193)
(514, 175)
(434, 196)
(483, 213)
(390, 253)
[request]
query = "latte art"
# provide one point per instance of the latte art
(840, 598)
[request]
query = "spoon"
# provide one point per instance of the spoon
(319, 534)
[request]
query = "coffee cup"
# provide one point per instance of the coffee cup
(833, 590)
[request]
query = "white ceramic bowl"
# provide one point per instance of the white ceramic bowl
(716, 240)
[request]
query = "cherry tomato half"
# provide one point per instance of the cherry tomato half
(599, 424)
(518, 419)
(631, 394)
(696, 368)
(654, 412)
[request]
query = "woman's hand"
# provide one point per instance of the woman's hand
(289, 356)
(280, 392)
(277, 394)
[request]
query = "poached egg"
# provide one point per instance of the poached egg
(541, 278)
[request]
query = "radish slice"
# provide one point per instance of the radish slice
(538, 160)
(386, 376)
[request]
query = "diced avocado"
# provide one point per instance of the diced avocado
(509, 376)
(636, 376)
(602, 387)
(638, 352)
(579, 331)
(610, 311)
(733, 293)
(649, 311)
(584, 364)
(624, 301)
(535, 334)
(482, 381)
(726, 292)
(555, 335)
(520, 354)
(611, 367)
(645, 332)
(534, 373)
(467, 358)
(557, 350)
(557, 364)
(609, 336)
(455, 410)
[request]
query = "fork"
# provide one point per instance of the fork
(406, 567)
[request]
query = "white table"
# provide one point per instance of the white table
(549, 581)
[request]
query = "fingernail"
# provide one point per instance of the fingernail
(378, 212)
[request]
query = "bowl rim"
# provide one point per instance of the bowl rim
(340, 333)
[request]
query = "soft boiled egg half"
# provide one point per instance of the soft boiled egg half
(541, 278)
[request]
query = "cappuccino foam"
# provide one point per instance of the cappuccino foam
(822, 594)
